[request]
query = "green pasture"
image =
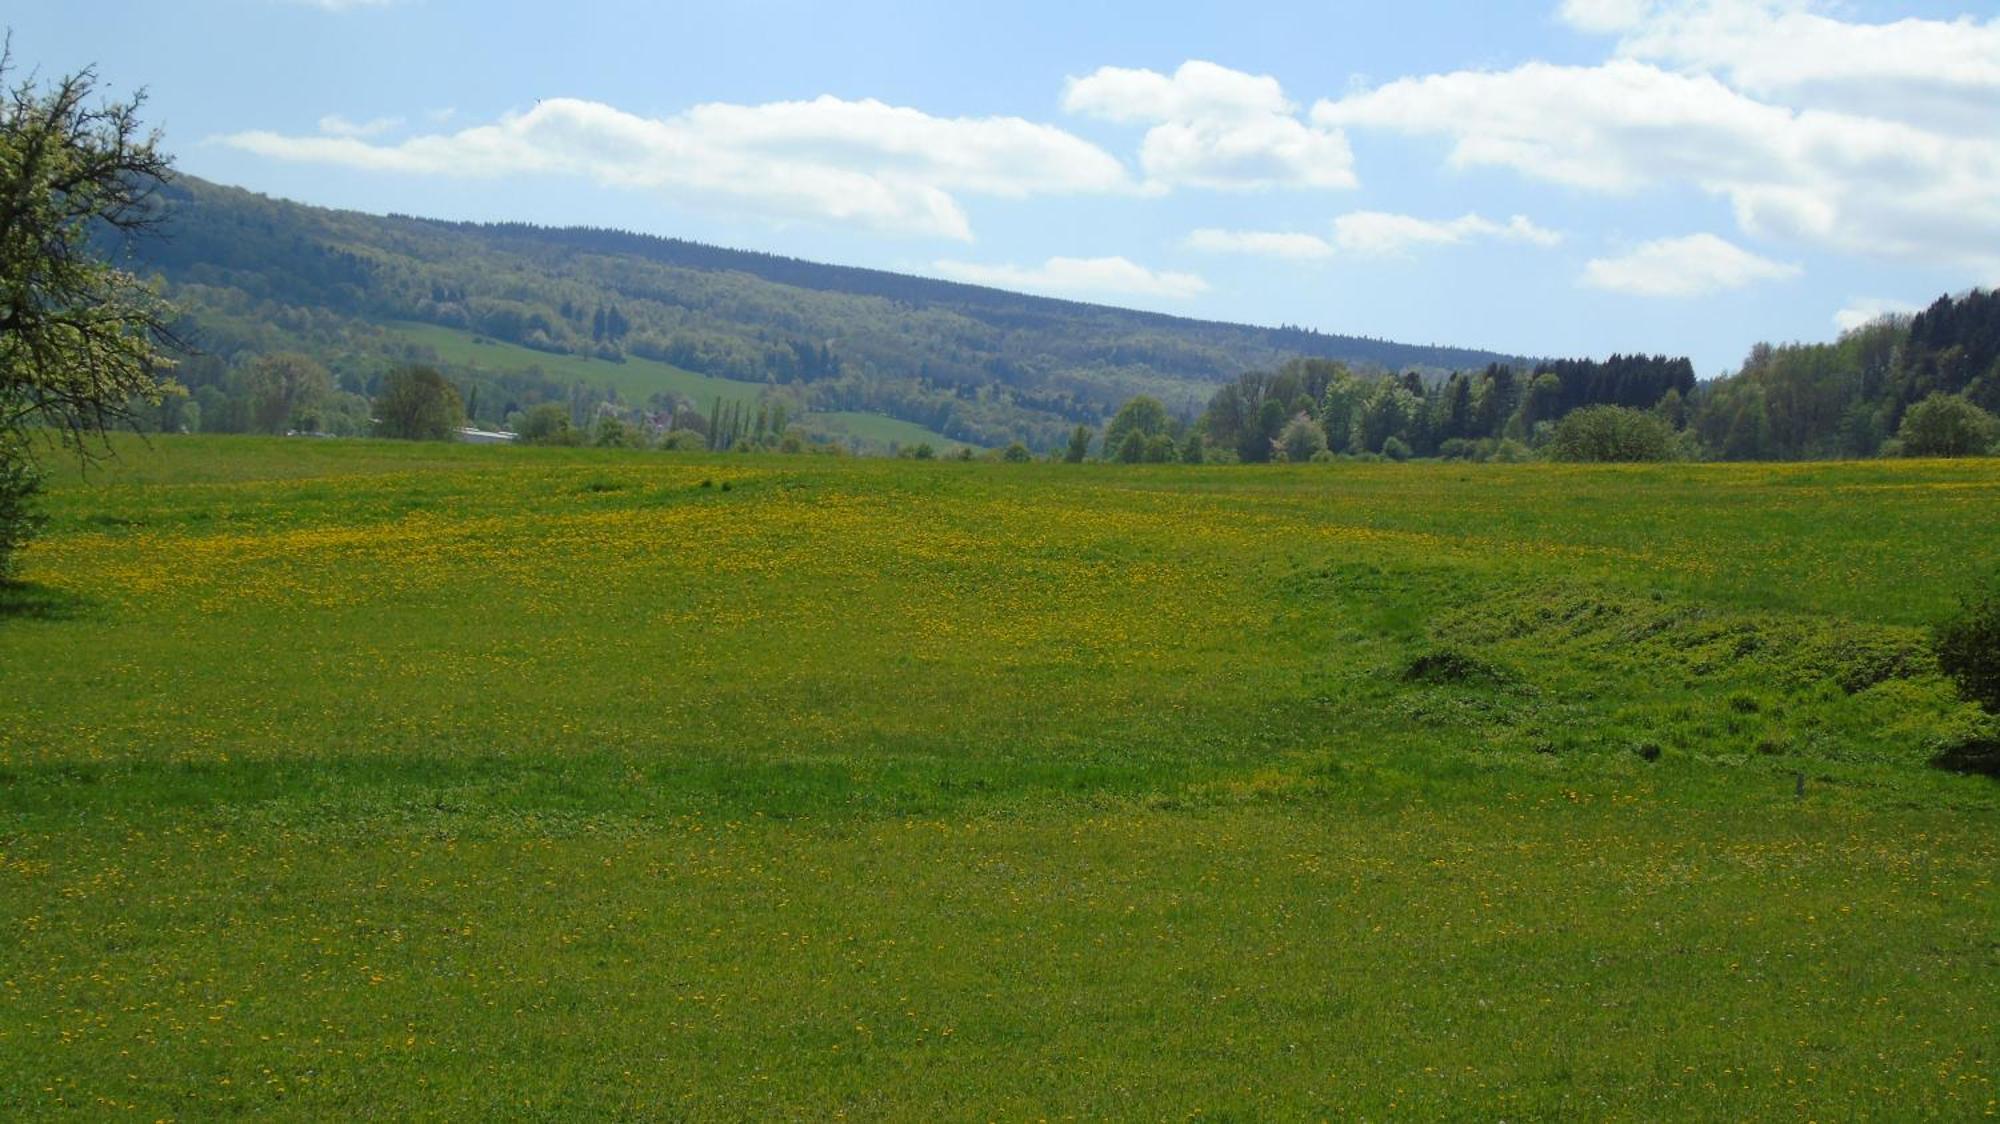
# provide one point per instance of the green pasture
(365, 779)
(635, 378)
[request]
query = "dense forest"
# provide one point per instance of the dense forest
(259, 275)
(1927, 384)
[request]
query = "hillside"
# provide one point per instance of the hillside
(972, 363)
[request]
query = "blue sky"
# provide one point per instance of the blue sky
(1568, 177)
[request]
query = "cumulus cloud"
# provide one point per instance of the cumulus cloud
(1693, 266)
(1380, 234)
(888, 168)
(1260, 243)
(1863, 311)
(1945, 74)
(1214, 127)
(1079, 276)
(334, 125)
(1866, 185)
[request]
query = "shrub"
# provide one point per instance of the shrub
(1946, 425)
(1017, 453)
(924, 452)
(1972, 751)
(1968, 646)
(1396, 449)
(1450, 665)
(1610, 434)
(20, 482)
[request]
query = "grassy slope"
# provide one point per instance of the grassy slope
(638, 379)
(345, 778)
(876, 431)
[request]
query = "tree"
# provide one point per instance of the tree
(1946, 425)
(1301, 438)
(1160, 449)
(81, 341)
(282, 386)
(1132, 450)
(1079, 445)
(546, 424)
(1017, 453)
(1611, 433)
(20, 482)
(1143, 415)
(417, 404)
(1192, 450)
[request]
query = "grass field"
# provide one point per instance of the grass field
(636, 379)
(876, 431)
(367, 779)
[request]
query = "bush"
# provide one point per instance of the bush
(1968, 646)
(1610, 434)
(1017, 453)
(1946, 425)
(1396, 449)
(20, 483)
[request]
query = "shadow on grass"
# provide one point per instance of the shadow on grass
(29, 601)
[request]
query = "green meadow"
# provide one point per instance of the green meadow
(634, 377)
(365, 779)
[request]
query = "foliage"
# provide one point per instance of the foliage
(977, 365)
(1016, 453)
(285, 388)
(1301, 439)
(1132, 450)
(546, 424)
(1847, 398)
(1968, 646)
(1079, 445)
(20, 482)
(418, 404)
(1142, 415)
(1611, 433)
(1946, 425)
(80, 339)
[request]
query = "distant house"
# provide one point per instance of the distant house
(472, 436)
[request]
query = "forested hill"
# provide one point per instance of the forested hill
(994, 364)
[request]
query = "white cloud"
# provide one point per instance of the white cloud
(1945, 74)
(1260, 243)
(1855, 184)
(1863, 311)
(1602, 16)
(333, 124)
(1079, 276)
(1684, 267)
(1380, 234)
(888, 168)
(1215, 127)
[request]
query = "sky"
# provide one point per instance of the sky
(1552, 178)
